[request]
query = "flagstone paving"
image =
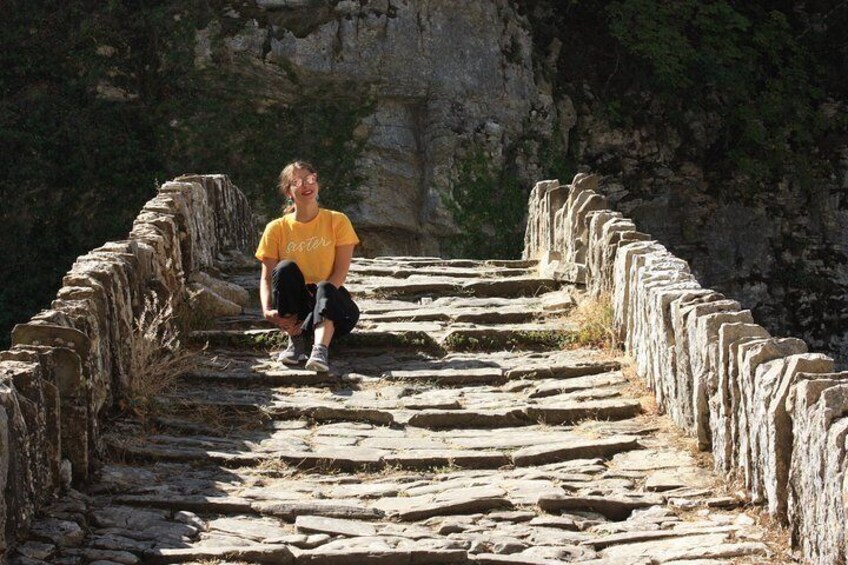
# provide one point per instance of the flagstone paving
(458, 425)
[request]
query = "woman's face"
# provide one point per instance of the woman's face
(304, 186)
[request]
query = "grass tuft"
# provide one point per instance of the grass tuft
(593, 318)
(157, 358)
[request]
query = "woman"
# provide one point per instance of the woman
(305, 259)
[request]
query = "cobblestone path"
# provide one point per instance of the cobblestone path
(453, 428)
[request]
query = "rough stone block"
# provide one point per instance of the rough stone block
(50, 335)
(232, 292)
(207, 302)
(69, 360)
(582, 200)
(650, 329)
(5, 455)
(37, 410)
(776, 435)
(20, 492)
(752, 378)
(725, 404)
(679, 405)
(702, 323)
(664, 365)
(621, 288)
(816, 505)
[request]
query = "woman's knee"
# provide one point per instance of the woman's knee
(287, 275)
(326, 287)
(287, 268)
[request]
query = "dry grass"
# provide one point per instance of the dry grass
(544, 425)
(584, 429)
(213, 561)
(157, 357)
(593, 318)
(218, 419)
(273, 467)
(637, 388)
(775, 535)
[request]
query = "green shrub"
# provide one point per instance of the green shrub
(78, 167)
(743, 62)
(488, 205)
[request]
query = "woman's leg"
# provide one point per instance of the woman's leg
(335, 313)
(289, 293)
(324, 332)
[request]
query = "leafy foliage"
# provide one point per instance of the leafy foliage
(747, 65)
(488, 205)
(76, 168)
(754, 73)
(102, 100)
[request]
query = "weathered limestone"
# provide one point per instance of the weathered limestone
(776, 436)
(621, 300)
(70, 363)
(757, 355)
(265, 473)
(816, 506)
(563, 235)
(680, 408)
(215, 297)
(703, 324)
(19, 469)
(208, 303)
(659, 273)
(393, 458)
(540, 236)
(541, 454)
(607, 232)
(725, 404)
(664, 365)
(716, 373)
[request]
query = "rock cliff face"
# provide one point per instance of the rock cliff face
(430, 83)
(771, 413)
(783, 253)
(437, 80)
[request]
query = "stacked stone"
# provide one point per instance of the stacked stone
(818, 406)
(773, 415)
(451, 428)
(540, 235)
(71, 361)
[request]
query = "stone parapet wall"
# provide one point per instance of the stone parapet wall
(774, 415)
(71, 362)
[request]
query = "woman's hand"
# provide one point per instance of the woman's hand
(288, 324)
(273, 316)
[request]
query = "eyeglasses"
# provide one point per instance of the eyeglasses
(309, 179)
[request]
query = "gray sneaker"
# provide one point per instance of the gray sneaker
(319, 361)
(295, 352)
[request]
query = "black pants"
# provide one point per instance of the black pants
(312, 303)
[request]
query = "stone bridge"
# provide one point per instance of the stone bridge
(465, 421)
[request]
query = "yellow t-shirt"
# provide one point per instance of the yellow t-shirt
(312, 245)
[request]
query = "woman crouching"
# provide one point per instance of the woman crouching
(305, 259)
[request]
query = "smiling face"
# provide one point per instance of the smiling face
(304, 186)
(299, 182)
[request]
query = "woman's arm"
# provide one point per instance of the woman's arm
(265, 286)
(287, 323)
(341, 264)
